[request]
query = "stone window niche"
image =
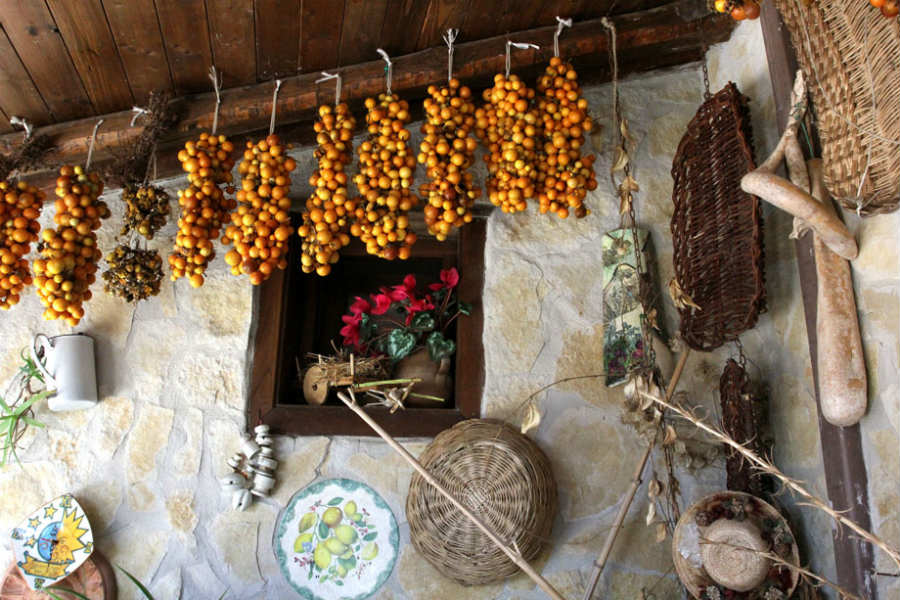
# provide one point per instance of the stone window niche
(296, 314)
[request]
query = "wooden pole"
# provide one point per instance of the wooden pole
(635, 484)
(512, 554)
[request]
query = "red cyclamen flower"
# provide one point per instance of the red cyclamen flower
(449, 280)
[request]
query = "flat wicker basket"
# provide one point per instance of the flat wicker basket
(851, 56)
(499, 474)
(716, 226)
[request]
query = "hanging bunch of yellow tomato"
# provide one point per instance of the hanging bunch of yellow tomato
(508, 127)
(204, 206)
(739, 9)
(69, 253)
(386, 168)
(564, 175)
(261, 225)
(447, 151)
(20, 207)
(329, 210)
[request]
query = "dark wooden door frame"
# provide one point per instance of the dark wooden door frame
(845, 468)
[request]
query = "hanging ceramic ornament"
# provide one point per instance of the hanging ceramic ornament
(336, 539)
(52, 542)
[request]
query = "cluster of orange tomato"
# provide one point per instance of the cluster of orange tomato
(739, 9)
(889, 8)
(20, 207)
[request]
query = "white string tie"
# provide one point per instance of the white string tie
(24, 124)
(449, 38)
(560, 24)
(389, 69)
(138, 111)
(274, 104)
(87, 163)
(216, 78)
(337, 85)
(520, 46)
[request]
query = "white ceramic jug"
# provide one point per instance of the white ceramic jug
(67, 363)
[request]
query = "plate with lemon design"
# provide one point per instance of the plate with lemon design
(337, 540)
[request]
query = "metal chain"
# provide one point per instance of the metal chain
(706, 94)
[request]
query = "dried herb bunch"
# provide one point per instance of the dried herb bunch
(132, 168)
(146, 209)
(133, 274)
(25, 157)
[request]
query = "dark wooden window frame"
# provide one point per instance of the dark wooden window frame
(302, 419)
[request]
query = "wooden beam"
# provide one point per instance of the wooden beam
(661, 37)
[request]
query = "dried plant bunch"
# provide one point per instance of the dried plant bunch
(133, 274)
(261, 226)
(448, 151)
(131, 168)
(329, 210)
(147, 208)
(69, 252)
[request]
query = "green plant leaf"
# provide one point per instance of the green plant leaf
(323, 530)
(400, 343)
(423, 320)
(348, 563)
(32, 422)
(338, 582)
(223, 593)
(137, 583)
(371, 536)
(439, 347)
(65, 590)
(35, 398)
(335, 501)
(465, 308)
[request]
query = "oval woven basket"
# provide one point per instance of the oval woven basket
(499, 474)
(716, 226)
(851, 56)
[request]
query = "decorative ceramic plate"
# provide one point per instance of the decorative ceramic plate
(337, 540)
(52, 542)
(93, 579)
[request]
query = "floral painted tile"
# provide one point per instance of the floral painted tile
(337, 540)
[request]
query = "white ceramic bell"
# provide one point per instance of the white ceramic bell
(241, 499)
(235, 480)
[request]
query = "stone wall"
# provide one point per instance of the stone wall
(172, 373)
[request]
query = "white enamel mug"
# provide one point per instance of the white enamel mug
(67, 363)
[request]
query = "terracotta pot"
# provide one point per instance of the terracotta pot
(435, 376)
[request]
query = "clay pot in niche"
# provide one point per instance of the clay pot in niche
(435, 376)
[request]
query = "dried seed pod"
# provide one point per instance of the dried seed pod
(329, 210)
(204, 207)
(508, 126)
(386, 168)
(564, 175)
(133, 274)
(20, 207)
(447, 151)
(261, 225)
(69, 253)
(146, 209)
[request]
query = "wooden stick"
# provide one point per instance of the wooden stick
(635, 484)
(512, 554)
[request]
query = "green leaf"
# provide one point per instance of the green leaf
(348, 563)
(367, 328)
(32, 422)
(223, 593)
(139, 585)
(465, 308)
(65, 590)
(335, 501)
(323, 530)
(423, 320)
(338, 582)
(439, 347)
(35, 398)
(371, 536)
(400, 343)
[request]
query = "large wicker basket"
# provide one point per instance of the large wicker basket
(716, 226)
(851, 56)
(499, 474)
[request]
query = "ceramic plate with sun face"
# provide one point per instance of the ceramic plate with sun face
(52, 542)
(337, 540)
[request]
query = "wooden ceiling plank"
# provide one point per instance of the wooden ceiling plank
(186, 39)
(40, 46)
(5, 127)
(361, 31)
(18, 95)
(402, 23)
(277, 26)
(86, 34)
(322, 22)
(650, 39)
(232, 31)
(441, 16)
(135, 28)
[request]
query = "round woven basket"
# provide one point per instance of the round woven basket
(499, 474)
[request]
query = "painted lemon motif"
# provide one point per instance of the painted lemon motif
(332, 516)
(369, 551)
(303, 538)
(341, 571)
(322, 556)
(348, 553)
(356, 517)
(350, 509)
(345, 533)
(335, 546)
(308, 520)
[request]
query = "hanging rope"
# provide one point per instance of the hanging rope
(449, 38)
(274, 104)
(337, 85)
(21, 122)
(520, 46)
(389, 69)
(138, 111)
(87, 163)
(614, 62)
(560, 24)
(216, 79)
